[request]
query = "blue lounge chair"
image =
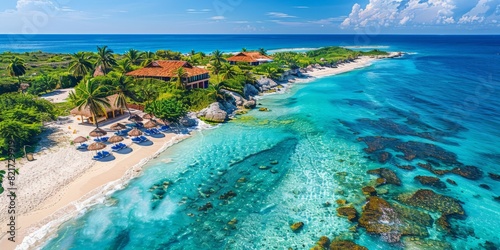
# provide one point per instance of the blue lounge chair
(136, 140)
(143, 138)
(164, 128)
(83, 146)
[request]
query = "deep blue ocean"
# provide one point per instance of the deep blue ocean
(439, 102)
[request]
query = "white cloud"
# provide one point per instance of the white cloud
(217, 18)
(196, 11)
(301, 7)
(279, 15)
(478, 14)
(387, 13)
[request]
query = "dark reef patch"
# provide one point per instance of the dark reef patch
(430, 181)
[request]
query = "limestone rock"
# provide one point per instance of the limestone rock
(214, 113)
(369, 190)
(349, 212)
(297, 226)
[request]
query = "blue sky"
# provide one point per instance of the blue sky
(250, 16)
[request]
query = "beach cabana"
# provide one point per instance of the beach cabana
(150, 124)
(97, 132)
(111, 111)
(147, 116)
(115, 139)
(118, 127)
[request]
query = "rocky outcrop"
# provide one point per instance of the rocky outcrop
(237, 99)
(493, 176)
(189, 121)
(250, 91)
(265, 84)
(214, 113)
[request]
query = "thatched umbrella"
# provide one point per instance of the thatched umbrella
(135, 118)
(115, 139)
(80, 139)
(147, 116)
(118, 126)
(96, 146)
(98, 132)
(150, 124)
(135, 132)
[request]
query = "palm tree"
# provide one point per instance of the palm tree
(271, 72)
(124, 66)
(134, 56)
(243, 49)
(16, 68)
(122, 86)
(218, 57)
(105, 59)
(263, 51)
(148, 57)
(92, 96)
(80, 65)
(215, 91)
(180, 75)
(192, 53)
(228, 71)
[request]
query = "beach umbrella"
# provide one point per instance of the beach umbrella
(135, 132)
(135, 118)
(147, 116)
(115, 139)
(150, 124)
(80, 139)
(97, 132)
(96, 146)
(118, 126)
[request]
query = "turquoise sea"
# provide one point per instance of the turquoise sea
(439, 103)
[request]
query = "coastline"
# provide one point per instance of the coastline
(102, 178)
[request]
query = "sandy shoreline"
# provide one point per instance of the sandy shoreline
(95, 179)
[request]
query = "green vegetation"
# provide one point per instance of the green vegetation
(21, 119)
(168, 110)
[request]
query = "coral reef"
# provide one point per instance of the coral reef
(388, 175)
(430, 181)
(429, 200)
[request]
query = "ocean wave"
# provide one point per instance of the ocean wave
(272, 51)
(367, 47)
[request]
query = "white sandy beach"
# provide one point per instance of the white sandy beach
(51, 189)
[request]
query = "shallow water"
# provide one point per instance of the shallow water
(309, 146)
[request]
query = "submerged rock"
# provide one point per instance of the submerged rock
(227, 195)
(205, 207)
(349, 212)
(380, 217)
(406, 167)
(485, 186)
(383, 157)
(345, 245)
(297, 226)
(388, 175)
(369, 190)
(452, 182)
(493, 176)
(443, 223)
(469, 172)
(429, 200)
(322, 243)
(430, 181)
(263, 109)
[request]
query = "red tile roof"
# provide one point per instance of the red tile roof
(167, 69)
(249, 57)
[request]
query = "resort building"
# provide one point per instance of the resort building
(195, 77)
(252, 58)
(86, 115)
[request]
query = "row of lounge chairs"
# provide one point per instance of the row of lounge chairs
(101, 155)
(140, 139)
(118, 147)
(152, 131)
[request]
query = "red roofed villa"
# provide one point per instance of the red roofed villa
(166, 70)
(252, 58)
